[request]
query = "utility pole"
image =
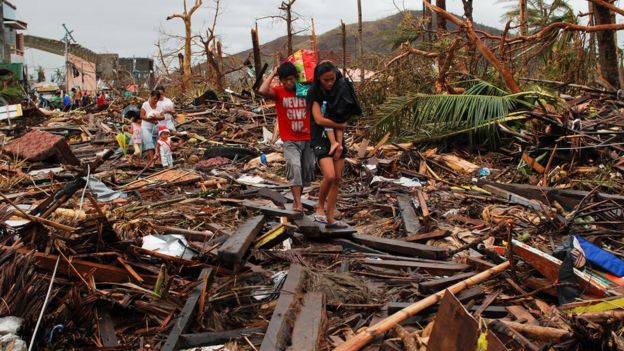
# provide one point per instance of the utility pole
(68, 38)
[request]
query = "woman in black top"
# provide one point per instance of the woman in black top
(326, 77)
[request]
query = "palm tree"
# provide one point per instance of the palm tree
(559, 54)
(477, 112)
(540, 13)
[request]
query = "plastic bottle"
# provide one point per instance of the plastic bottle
(324, 108)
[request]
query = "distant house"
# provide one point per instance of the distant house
(11, 40)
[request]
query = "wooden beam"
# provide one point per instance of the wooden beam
(423, 204)
(277, 335)
(271, 211)
(408, 214)
(434, 285)
(106, 328)
(216, 338)
(270, 194)
(400, 247)
(441, 268)
(489, 311)
(436, 234)
(184, 319)
(307, 203)
(309, 329)
(348, 244)
(234, 249)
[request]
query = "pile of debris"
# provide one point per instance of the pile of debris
(514, 249)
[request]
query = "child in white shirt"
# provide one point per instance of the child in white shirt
(163, 147)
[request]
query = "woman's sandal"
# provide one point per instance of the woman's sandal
(336, 225)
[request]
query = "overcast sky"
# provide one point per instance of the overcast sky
(131, 27)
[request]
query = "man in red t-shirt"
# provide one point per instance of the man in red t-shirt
(294, 127)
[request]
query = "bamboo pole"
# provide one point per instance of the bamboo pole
(367, 335)
(539, 332)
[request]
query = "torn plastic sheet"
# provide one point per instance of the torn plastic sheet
(209, 348)
(403, 181)
(101, 191)
(15, 221)
(255, 181)
(169, 244)
(46, 171)
(10, 324)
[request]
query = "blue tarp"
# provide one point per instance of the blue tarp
(602, 258)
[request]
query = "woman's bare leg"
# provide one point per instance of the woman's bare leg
(327, 169)
(332, 197)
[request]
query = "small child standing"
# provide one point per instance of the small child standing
(136, 136)
(163, 147)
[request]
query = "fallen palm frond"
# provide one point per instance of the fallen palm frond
(431, 117)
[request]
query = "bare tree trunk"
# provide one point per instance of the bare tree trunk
(524, 28)
(607, 49)
(428, 19)
(343, 28)
(286, 6)
(313, 38)
(470, 48)
(219, 66)
(255, 42)
(440, 20)
(360, 40)
(186, 63)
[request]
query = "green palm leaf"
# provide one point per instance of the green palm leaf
(479, 109)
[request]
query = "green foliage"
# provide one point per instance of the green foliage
(430, 117)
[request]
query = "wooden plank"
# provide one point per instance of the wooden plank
(479, 263)
(307, 226)
(423, 204)
(488, 312)
(277, 335)
(432, 268)
(522, 314)
(106, 328)
(435, 285)
(310, 325)
(216, 338)
(400, 247)
(184, 319)
(235, 247)
(272, 237)
(307, 203)
(533, 163)
(408, 214)
(456, 329)
(272, 211)
(270, 194)
(336, 232)
(362, 149)
(350, 245)
(436, 234)
(476, 292)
